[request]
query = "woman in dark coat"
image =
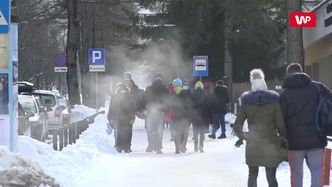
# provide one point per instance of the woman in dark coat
(121, 116)
(260, 107)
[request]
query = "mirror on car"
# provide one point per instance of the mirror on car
(30, 113)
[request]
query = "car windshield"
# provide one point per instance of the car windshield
(28, 104)
(45, 97)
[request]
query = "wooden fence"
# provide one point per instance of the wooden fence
(68, 134)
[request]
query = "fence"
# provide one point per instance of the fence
(70, 133)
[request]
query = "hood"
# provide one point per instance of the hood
(259, 97)
(296, 80)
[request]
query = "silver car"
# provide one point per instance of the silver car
(37, 116)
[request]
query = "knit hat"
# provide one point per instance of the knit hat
(127, 76)
(199, 84)
(158, 76)
(177, 82)
(257, 80)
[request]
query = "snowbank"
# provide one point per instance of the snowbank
(17, 170)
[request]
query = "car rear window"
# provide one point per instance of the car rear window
(47, 96)
(28, 104)
(62, 101)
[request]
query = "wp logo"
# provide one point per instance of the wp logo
(302, 19)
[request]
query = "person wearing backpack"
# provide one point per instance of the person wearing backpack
(299, 100)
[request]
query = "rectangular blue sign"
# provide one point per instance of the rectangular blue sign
(200, 66)
(97, 56)
(4, 16)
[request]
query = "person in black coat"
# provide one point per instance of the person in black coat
(218, 108)
(199, 115)
(298, 101)
(181, 116)
(155, 98)
(121, 115)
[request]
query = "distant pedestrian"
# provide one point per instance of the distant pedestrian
(218, 108)
(180, 116)
(155, 97)
(121, 116)
(261, 108)
(299, 101)
(199, 116)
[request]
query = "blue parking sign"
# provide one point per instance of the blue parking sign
(4, 16)
(97, 56)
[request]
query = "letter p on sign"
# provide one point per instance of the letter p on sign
(302, 19)
(96, 55)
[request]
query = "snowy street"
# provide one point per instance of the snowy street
(93, 161)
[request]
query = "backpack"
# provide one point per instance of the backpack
(323, 118)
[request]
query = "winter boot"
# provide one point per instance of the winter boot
(118, 149)
(159, 152)
(196, 148)
(127, 151)
(213, 136)
(222, 136)
(149, 149)
(201, 149)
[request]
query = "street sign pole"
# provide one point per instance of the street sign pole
(97, 64)
(8, 77)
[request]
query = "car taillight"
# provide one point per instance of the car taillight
(57, 112)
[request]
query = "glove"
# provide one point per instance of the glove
(238, 143)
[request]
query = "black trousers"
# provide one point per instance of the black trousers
(270, 176)
(123, 136)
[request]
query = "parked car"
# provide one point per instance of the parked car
(60, 114)
(37, 116)
(23, 122)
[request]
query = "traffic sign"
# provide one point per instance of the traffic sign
(4, 16)
(96, 59)
(201, 66)
(60, 62)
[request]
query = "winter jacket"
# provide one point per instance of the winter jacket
(180, 104)
(298, 102)
(155, 97)
(220, 99)
(122, 109)
(200, 110)
(266, 127)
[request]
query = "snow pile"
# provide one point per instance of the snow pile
(79, 112)
(16, 170)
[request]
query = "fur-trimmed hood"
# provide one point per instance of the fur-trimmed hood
(259, 97)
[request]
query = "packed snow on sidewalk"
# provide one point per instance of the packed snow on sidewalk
(93, 161)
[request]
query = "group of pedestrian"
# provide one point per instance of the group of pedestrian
(179, 105)
(282, 121)
(276, 122)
